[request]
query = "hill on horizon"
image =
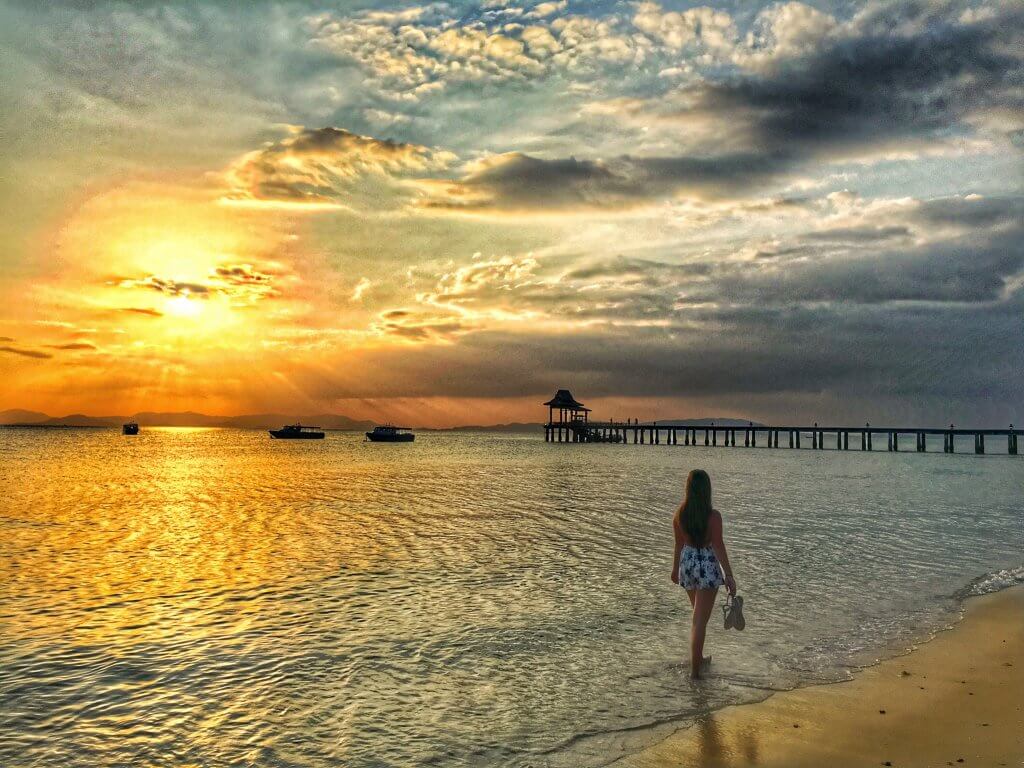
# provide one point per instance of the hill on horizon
(23, 417)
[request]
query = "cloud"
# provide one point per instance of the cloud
(141, 311)
(547, 8)
(320, 168)
(361, 288)
(895, 72)
(799, 88)
(410, 59)
(785, 31)
(479, 280)
(166, 286)
(520, 182)
(702, 27)
(26, 352)
(420, 327)
(76, 345)
(241, 283)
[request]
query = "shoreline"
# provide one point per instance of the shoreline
(953, 699)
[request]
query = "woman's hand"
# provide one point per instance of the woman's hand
(675, 576)
(730, 584)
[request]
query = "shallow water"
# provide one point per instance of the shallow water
(215, 598)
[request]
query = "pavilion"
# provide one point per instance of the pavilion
(572, 416)
(569, 409)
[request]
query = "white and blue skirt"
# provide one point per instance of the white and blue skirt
(699, 568)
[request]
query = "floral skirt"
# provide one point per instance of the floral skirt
(699, 568)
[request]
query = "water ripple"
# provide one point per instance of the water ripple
(215, 598)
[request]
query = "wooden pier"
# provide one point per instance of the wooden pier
(573, 425)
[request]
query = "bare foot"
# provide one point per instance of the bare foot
(695, 673)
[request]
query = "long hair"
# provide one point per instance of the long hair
(695, 511)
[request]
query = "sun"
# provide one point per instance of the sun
(183, 306)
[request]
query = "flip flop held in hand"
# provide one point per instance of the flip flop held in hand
(733, 611)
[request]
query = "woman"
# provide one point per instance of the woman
(700, 559)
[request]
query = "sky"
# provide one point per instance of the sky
(444, 212)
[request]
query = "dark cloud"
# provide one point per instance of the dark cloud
(959, 271)
(416, 326)
(168, 287)
(516, 181)
(860, 234)
(241, 282)
(903, 70)
(6, 338)
(242, 274)
(825, 355)
(974, 212)
(866, 264)
(25, 352)
(914, 305)
(142, 311)
(75, 345)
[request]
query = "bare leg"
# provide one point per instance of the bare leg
(692, 594)
(703, 604)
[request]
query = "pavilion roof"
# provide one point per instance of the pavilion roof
(563, 399)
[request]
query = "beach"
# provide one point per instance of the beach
(955, 700)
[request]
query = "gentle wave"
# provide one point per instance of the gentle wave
(994, 581)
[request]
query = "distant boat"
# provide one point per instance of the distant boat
(391, 434)
(297, 432)
(131, 428)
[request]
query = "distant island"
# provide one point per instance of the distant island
(19, 417)
(24, 418)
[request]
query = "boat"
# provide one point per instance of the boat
(131, 428)
(389, 433)
(297, 432)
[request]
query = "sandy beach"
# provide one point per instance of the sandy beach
(955, 700)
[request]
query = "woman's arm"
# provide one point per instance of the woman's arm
(678, 535)
(718, 544)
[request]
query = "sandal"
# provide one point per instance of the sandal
(733, 611)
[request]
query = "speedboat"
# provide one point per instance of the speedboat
(131, 428)
(297, 432)
(388, 433)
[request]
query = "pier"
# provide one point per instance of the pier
(569, 422)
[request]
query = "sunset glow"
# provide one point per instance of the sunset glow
(414, 211)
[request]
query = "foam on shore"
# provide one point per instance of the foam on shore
(954, 700)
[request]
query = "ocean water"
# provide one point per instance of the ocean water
(215, 598)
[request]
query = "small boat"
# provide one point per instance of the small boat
(297, 432)
(131, 428)
(388, 433)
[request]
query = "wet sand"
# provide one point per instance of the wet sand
(955, 700)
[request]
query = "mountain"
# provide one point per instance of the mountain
(268, 420)
(516, 426)
(183, 419)
(21, 416)
(81, 420)
(177, 419)
(274, 420)
(337, 421)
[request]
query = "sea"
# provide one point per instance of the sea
(212, 597)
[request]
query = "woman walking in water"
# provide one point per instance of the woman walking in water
(700, 563)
